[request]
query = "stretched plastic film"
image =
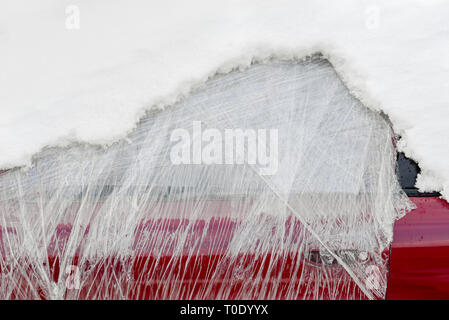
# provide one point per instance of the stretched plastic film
(268, 183)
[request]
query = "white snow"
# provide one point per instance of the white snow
(92, 84)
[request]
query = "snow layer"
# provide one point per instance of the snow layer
(61, 84)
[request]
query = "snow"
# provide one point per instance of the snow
(60, 84)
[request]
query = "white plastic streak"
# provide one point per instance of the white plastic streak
(125, 222)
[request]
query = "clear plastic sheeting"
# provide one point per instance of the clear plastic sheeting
(129, 222)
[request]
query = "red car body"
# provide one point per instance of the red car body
(418, 266)
(419, 260)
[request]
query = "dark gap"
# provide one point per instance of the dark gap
(407, 171)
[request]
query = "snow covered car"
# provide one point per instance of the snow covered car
(300, 203)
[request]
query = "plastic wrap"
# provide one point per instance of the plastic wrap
(126, 222)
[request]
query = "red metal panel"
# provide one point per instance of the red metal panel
(419, 262)
(198, 272)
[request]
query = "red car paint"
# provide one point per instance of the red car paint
(198, 272)
(419, 261)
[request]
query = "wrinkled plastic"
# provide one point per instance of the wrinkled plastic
(125, 222)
